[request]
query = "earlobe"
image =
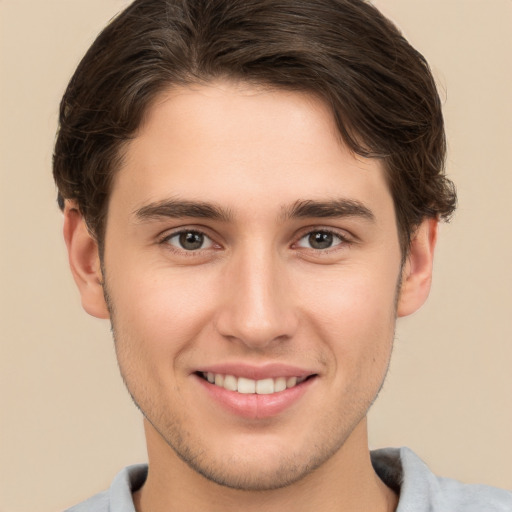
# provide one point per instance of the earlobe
(417, 271)
(84, 261)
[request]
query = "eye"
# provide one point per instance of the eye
(320, 240)
(189, 240)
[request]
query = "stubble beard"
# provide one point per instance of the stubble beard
(292, 467)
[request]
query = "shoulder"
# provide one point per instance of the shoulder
(474, 498)
(97, 503)
(420, 490)
(118, 498)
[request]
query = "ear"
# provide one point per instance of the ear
(84, 261)
(417, 271)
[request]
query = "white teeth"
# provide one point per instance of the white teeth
(246, 385)
(250, 386)
(265, 386)
(230, 383)
(291, 381)
(280, 384)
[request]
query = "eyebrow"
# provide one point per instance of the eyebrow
(174, 208)
(335, 208)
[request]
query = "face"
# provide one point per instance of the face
(252, 266)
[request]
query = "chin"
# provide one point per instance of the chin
(254, 466)
(240, 475)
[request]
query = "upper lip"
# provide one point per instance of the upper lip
(248, 371)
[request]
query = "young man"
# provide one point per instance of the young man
(251, 193)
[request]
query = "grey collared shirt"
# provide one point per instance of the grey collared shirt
(419, 489)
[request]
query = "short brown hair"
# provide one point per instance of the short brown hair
(380, 89)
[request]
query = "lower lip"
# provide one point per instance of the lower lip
(252, 405)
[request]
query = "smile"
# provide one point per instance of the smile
(249, 386)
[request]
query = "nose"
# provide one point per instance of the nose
(257, 301)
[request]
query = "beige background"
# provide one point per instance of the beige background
(67, 425)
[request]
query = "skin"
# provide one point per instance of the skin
(256, 291)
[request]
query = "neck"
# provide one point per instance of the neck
(346, 482)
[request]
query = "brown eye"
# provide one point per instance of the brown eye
(320, 240)
(189, 240)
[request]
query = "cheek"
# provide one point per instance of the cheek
(354, 313)
(351, 296)
(159, 310)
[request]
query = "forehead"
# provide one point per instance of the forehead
(233, 142)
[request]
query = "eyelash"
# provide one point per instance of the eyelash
(344, 241)
(165, 240)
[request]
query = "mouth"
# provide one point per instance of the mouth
(243, 385)
(256, 393)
